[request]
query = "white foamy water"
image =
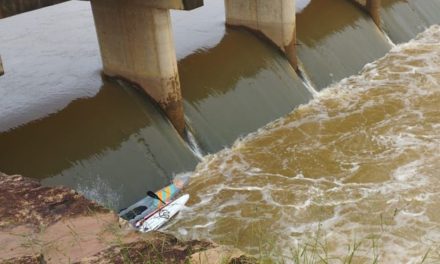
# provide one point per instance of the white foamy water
(360, 163)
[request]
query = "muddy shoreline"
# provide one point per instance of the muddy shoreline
(58, 225)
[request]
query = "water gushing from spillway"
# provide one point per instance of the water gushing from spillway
(104, 139)
(402, 20)
(360, 163)
(345, 157)
(112, 147)
(332, 46)
(225, 75)
(62, 124)
(218, 101)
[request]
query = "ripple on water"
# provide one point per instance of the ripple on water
(360, 162)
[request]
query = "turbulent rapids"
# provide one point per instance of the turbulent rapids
(353, 170)
(358, 165)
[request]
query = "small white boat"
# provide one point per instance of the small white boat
(161, 216)
(152, 202)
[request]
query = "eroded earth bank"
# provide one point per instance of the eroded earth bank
(57, 225)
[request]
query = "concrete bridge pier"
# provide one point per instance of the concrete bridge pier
(373, 8)
(136, 43)
(275, 19)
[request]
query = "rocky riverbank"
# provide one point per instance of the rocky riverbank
(57, 225)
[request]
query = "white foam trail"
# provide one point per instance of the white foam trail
(194, 145)
(388, 39)
(306, 80)
(360, 160)
(100, 191)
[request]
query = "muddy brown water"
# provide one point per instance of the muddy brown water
(359, 158)
(359, 163)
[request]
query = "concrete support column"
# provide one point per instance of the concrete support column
(2, 71)
(136, 42)
(275, 19)
(373, 7)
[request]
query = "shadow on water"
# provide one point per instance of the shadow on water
(404, 19)
(111, 147)
(237, 87)
(336, 40)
